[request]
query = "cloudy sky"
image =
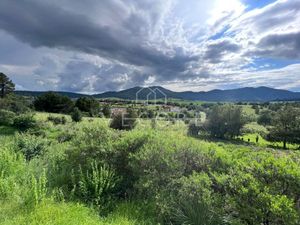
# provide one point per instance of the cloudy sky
(94, 46)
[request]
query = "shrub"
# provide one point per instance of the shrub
(57, 120)
(265, 118)
(124, 121)
(76, 115)
(12, 170)
(193, 129)
(106, 111)
(25, 121)
(30, 145)
(194, 202)
(6, 117)
(95, 185)
(15, 103)
(117, 122)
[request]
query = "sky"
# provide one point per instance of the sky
(95, 46)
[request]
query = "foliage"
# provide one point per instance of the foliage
(57, 119)
(25, 122)
(124, 121)
(30, 145)
(225, 120)
(6, 117)
(14, 103)
(286, 124)
(6, 85)
(194, 128)
(76, 115)
(195, 202)
(254, 128)
(265, 118)
(89, 105)
(106, 111)
(53, 102)
(143, 176)
(95, 185)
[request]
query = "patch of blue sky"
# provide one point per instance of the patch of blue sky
(270, 63)
(254, 4)
(220, 34)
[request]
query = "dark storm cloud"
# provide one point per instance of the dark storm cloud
(44, 24)
(84, 76)
(279, 46)
(216, 50)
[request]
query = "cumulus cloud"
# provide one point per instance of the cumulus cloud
(217, 49)
(43, 24)
(95, 46)
(280, 45)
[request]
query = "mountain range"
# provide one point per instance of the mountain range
(261, 94)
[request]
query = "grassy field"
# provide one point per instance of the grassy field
(156, 166)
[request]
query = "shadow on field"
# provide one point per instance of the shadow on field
(7, 131)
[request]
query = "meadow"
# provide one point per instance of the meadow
(89, 173)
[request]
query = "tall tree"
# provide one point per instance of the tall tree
(225, 121)
(88, 104)
(286, 126)
(6, 85)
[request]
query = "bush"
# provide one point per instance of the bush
(25, 121)
(76, 115)
(106, 111)
(6, 117)
(57, 120)
(95, 185)
(124, 121)
(193, 129)
(195, 202)
(30, 145)
(14, 103)
(265, 118)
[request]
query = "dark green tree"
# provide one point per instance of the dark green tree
(53, 102)
(106, 111)
(89, 105)
(225, 121)
(6, 85)
(76, 115)
(265, 118)
(286, 126)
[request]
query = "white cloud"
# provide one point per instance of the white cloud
(96, 46)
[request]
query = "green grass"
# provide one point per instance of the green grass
(267, 144)
(63, 213)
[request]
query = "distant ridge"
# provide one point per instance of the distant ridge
(38, 93)
(261, 94)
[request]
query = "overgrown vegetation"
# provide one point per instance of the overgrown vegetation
(169, 169)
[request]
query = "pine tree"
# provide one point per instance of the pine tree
(6, 85)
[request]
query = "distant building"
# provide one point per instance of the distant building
(175, 109)
(118, 110)
(168, 108)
